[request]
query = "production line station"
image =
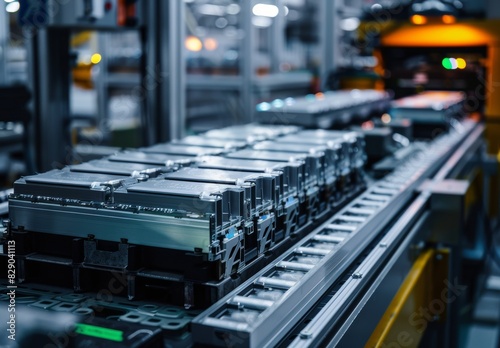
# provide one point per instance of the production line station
(223, 173)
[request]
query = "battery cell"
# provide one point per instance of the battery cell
(151, 158)
(64, 184)
(105, 166)
(182, 150)
(290, 182)
(225, 202)
(312, 174)
(267, 190)
(194, 140)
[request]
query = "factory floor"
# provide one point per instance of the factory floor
(483, 327)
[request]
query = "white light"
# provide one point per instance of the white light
(278, 103)
(265, 10)
(262, 22)
(454, 63)
(349, 24)
(286, 10)
(264, 107)
(12, 7)
(7, 1)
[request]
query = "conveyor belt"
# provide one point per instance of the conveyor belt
(260, 312)
(312, 330)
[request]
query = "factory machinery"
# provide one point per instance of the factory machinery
(252, 235)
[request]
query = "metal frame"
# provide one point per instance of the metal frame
(277, 38)
(174, 68)
(247, 67)
(162, 85)
(50, 68)
(4, 42)
(247, 85)
(329, 32)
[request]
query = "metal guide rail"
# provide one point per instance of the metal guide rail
(259, 312)
(334, 302)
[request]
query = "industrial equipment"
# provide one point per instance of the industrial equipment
(281, 241)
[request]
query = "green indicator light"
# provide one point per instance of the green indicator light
(447, 63)
(99, 332)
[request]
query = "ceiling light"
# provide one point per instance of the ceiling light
(12, 7)
(418, 19)
(448, 19)
(193, 44)
(349, 24)
(265, 10)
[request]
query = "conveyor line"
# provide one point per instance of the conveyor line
(295, 290)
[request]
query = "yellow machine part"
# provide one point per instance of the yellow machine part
(421, 299)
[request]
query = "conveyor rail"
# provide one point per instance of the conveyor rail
(295, 281)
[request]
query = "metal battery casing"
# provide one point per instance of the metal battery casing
(104, 166)
(251, 133)
(312, 171)
(267, 190)
(151, 158)
(323, 110)
(290, 178)
(225, 202)
(351, 144)
(182, 150)
(329, 163)
(67, 185)
(194, 140)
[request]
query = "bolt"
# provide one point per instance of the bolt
(357, 275)
(383, 245)
(305, 335)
